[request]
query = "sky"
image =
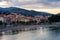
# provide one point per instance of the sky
(51, 6)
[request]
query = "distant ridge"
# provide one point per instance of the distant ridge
(22, 11)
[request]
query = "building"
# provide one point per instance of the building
(2, 18)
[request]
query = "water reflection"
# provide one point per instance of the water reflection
(41, 34)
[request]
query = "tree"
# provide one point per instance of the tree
(54, 18)
(1, 22)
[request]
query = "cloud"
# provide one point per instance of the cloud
(34, 3)
(4, 4)
(54, 0)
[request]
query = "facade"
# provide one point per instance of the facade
(2, 19)
(18, 17)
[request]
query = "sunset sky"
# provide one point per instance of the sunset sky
(51, 6)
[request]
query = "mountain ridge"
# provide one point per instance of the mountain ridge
(22, 11)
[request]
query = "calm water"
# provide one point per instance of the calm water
(40, 34)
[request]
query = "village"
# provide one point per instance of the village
(14, 18)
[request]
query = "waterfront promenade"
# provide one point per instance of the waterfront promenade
(24, 27)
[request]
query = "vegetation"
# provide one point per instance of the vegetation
(54, 18)
(24, 23)
(1, 22)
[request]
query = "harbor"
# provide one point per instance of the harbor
(19, 28)
(43, 33)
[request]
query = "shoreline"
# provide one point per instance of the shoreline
(19, 28)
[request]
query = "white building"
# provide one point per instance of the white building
(24, 20)
(2, 19)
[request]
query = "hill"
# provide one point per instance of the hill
(22, 11)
